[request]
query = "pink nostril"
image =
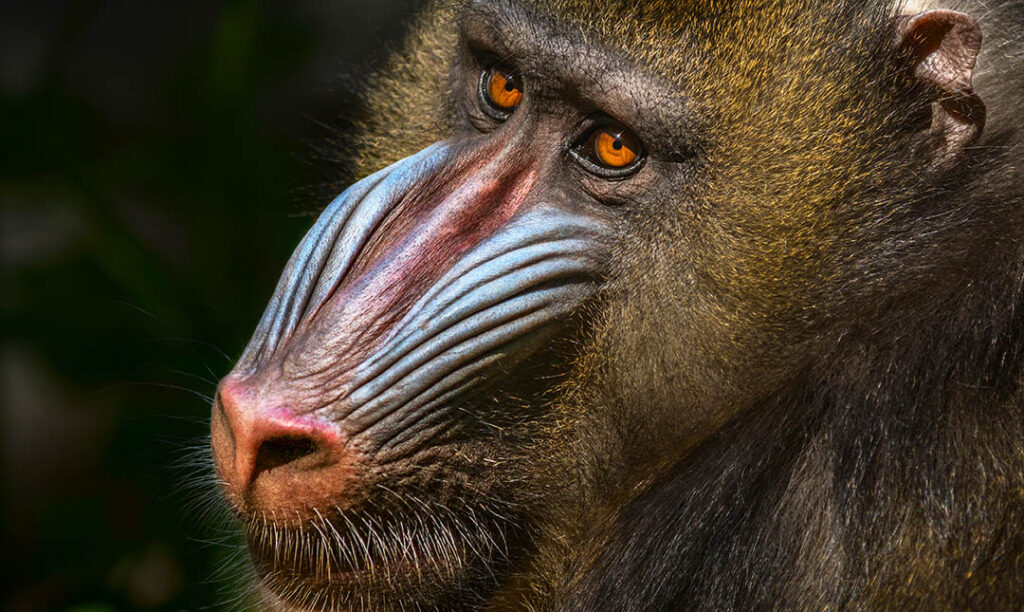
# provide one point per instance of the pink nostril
(282, 451)
(273, 449)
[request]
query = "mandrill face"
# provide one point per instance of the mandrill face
(611, 228)
(380, 435)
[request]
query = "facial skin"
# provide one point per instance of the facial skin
(370, 432)
(625, 226)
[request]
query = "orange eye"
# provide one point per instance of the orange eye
(503, 88)
(615, 149)
(611, 151)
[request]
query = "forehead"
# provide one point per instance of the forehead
(560, 46)
(600, 35)
(750, 68)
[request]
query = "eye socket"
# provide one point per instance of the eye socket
(610, 151)
(501, 91)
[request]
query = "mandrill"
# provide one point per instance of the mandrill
(654, 305)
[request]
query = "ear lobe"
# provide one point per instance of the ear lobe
(944, 46)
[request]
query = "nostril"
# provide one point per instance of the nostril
(270, 452)
(271, 459)
(283, 450)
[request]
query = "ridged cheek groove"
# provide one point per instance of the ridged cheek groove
(416, 285)
(423, 238)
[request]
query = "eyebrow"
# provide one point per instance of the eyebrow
(607, 76)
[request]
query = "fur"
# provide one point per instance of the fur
(802, 387)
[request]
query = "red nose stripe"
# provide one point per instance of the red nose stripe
(430, 229)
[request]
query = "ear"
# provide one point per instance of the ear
(943, 46)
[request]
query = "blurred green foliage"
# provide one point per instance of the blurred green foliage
(154, 177)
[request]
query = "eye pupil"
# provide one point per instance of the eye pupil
(617, 145)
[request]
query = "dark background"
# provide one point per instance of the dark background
(160, 160)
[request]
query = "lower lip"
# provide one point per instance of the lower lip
(314, 565)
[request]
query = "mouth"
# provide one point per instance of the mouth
(343, 556)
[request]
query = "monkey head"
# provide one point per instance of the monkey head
(602, 230)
